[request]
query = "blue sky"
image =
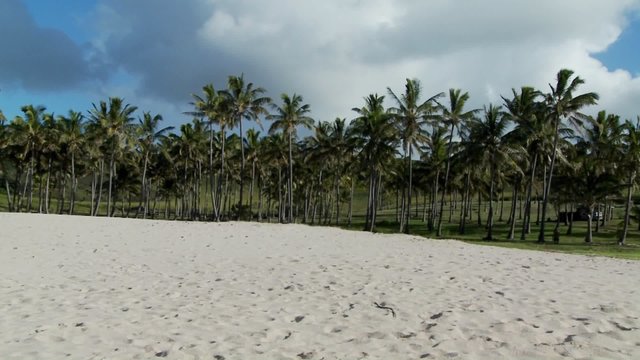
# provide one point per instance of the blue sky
(66, 54)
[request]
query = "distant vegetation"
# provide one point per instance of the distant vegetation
(425, 165)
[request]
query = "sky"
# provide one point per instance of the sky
(68, 54)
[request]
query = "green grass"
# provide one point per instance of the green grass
(604, 242)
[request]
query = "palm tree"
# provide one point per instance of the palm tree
(149, 134)
(434, 155)
(211, 107)
(252, 142)
(287, 118)
(341, 155)
(532, 132)
(72, 136)
(412, 118)
(562, 105)
(375, 137)
(244, 102)
(32, 135)
(455, 117)
(113, 119)
(631, 162)
(487, 137)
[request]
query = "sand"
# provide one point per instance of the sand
(97, 288)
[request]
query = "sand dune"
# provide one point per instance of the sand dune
(96, 288)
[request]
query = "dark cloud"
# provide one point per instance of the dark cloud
(36, 58)
(159, 42)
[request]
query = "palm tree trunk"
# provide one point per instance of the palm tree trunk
(242, 161)
(74, 184)
(351, 199)
(627, 210)
(9, 198)
(280, 214)
(94, 180)
(143, 192)
(545, 198)
(446, 181)
(598, 220)
(433, 214)
(217, 206)
(501, 203)
(253, 177)
(211, 173)
(260, 191)
(337, 200)
(368, 214)
(512, 213)
(111, 170)
(40, 196)
(526, 223)
(425, 193)
(100, 186)
(491, 189)
(466, 201)
(408, 212)
(290, 176)
(28, 184)
(479, 207)
(589, 236)
(46, 196)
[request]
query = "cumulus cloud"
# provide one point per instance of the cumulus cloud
(335, 52)
(37, 58)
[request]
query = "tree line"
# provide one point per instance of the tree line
(535, 146)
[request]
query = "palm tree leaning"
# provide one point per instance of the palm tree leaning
(488, 136)
(455, 117)
(149, 135)
(631, 162)
(562, 105)
(113, 119)
(244, 101)
(72, 136)
(530, 131)
(412, 118)
(287, 118)
(375, 137)
(211, 107)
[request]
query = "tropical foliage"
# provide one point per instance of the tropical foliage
(439, 160)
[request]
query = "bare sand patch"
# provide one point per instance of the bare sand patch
(97, 288)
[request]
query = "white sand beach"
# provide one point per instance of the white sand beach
(98, 288)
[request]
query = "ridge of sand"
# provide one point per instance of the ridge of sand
(98, 288)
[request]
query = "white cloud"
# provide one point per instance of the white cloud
(335, 52)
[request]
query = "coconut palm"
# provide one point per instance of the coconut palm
(487, 137)
(113, 119)
(454, 116)
(532, 132)
(434, 156)
(341, 154)
(29, 133)
(562, 105)
(287, 118)
(374, 136)
(412, 115)
(72, 137)
(244, 101)
(252, 142)
(630, 163)
(211, 107)
(149, 134)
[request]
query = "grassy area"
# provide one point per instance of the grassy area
(604, 242)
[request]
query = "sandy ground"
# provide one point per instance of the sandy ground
(96, 288)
